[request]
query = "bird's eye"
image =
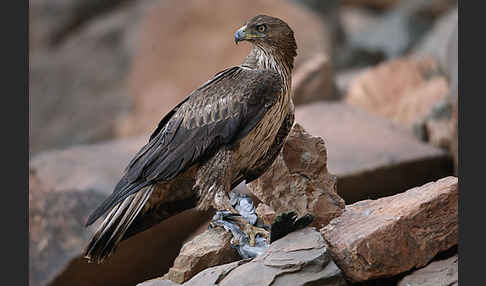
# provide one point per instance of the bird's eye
(261, 28)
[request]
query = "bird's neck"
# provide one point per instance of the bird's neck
(273, 59)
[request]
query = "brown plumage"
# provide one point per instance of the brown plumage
(228, 130)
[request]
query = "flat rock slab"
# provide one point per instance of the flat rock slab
(300, 258)
(385, 237)
(370, 156)
(438, 273)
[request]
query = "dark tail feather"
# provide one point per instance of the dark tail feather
(115, 225)
(129, 188)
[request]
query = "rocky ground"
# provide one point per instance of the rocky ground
(373, 154)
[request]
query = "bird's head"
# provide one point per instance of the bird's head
(267, 32)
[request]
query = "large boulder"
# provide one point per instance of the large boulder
(388, 236)
(184, 43)
(300, 258)
(298, 180)
(371, 157)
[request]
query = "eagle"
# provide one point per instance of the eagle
(227, 131)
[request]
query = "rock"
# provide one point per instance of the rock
(313, 81)
(65, 186)
(355, 21)
(452, 62)
(300, 258)
(266, 213)
(371, 157)
(298, 180)
(405, 23)
(388, 236)
(436, 42)
(344, 78)
(328, 11)
(438, 127)
(435, 9)
(439, 132)
(440, 273)
(403, 90)
(56, 231)
(208, 249)
(442, 43)
(97, 166)
(381, 4)
(454, 144)
(77, 84)
(201, 44)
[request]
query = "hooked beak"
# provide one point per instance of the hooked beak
(240, 35)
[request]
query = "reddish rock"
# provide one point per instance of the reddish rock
(388, 236)
(300, 258)
(208, 249)
(371, 157)
(298, 180)
(440, 273)
(402, 90)
(183, 44)
(266, 213)
(313, 81)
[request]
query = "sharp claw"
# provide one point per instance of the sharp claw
(252, 232)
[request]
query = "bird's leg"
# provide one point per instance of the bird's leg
(252, 232)
(248, 217)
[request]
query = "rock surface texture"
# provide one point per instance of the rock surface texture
(388, 236)
(208, 249)
(438, 273)
(404, 90)
(371, 157)
(300, 258)
(298, 180)
(266, 213)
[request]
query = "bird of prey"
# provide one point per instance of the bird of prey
(227, 131)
